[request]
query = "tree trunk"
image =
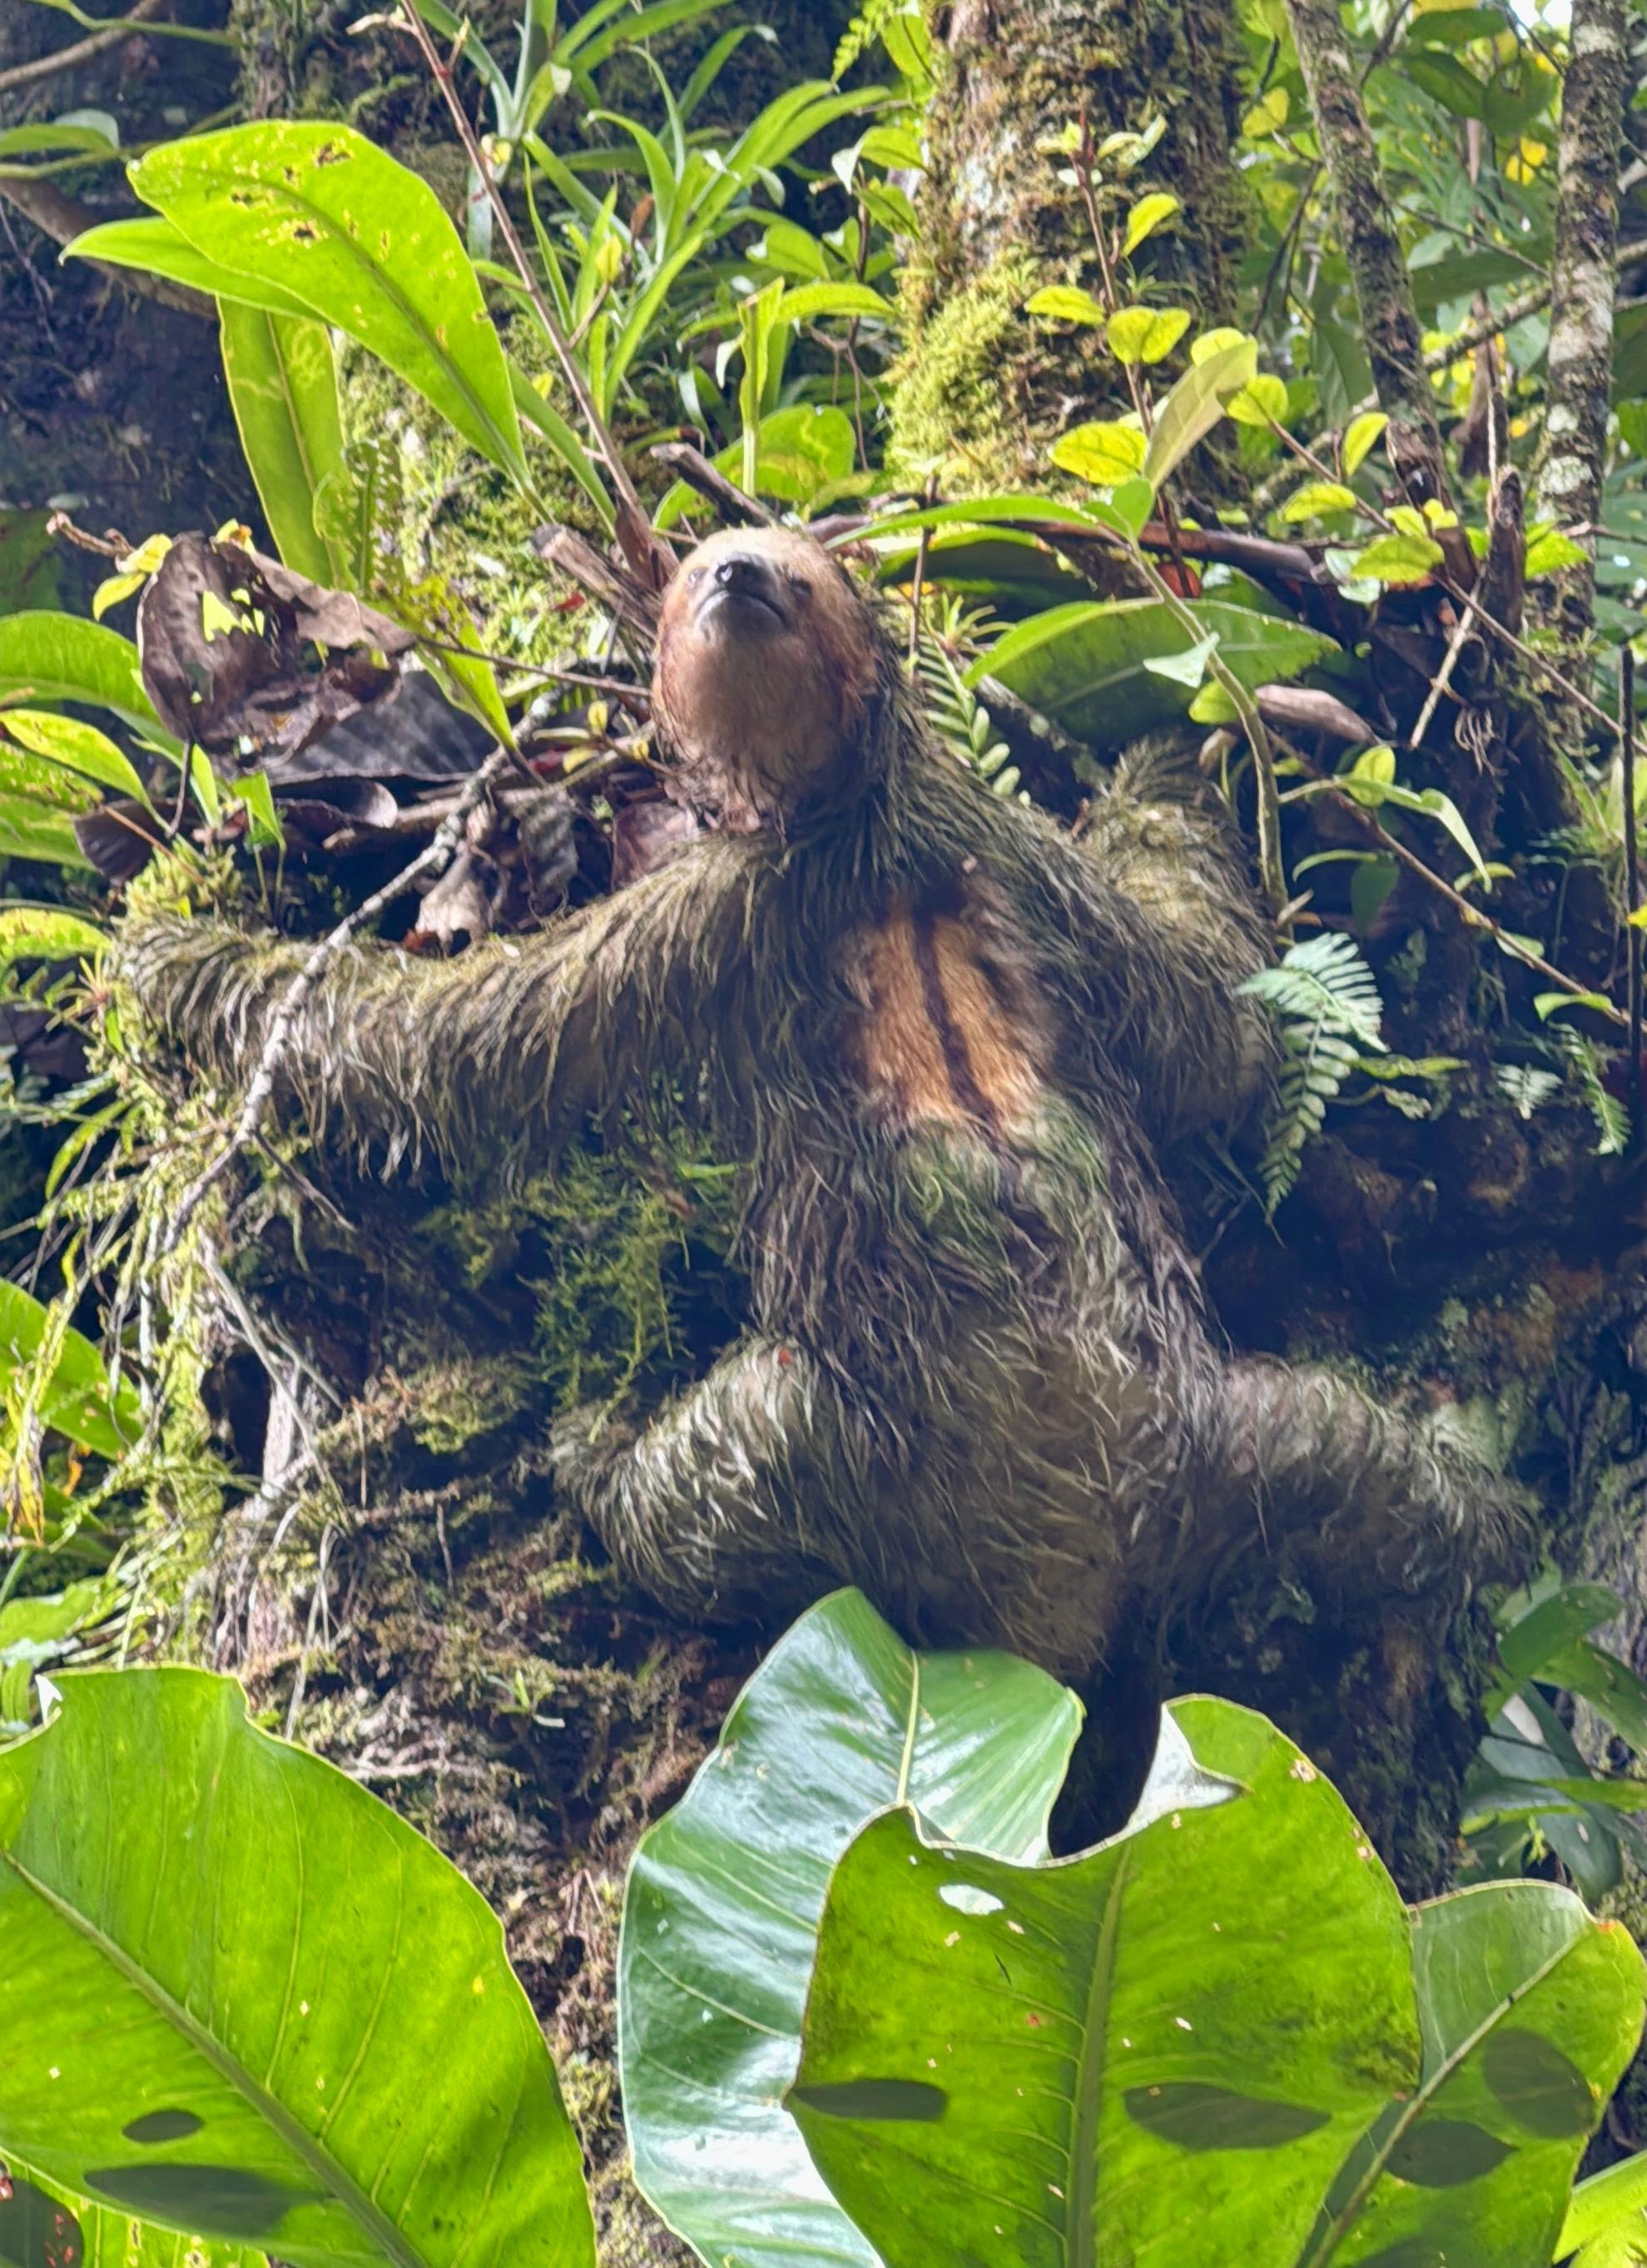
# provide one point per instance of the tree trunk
(983, 387)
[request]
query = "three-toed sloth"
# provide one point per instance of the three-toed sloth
(948, 1043)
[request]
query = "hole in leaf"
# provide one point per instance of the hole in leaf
(906, 2100)
(967, 1899)
(163, 2126)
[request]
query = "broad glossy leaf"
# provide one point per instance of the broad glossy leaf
(1162, 2049)
(1570, 1612)
(361, 241)
(721, 1912)
(1531, 2009)
(283, 385)
(1083, 665)
(64, 657)
(232, 1978)
(987, 511)
(155, 246)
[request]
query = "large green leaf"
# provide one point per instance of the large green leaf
(1217, 2037)
(1162, 2049)
(29, 830)
(231, 1977)
(1084, 665)
(63, 658)
(363, 242)
(282, 384)
(1531, 2011)
(721, 1917)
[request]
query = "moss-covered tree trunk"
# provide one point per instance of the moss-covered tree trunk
(984, 388)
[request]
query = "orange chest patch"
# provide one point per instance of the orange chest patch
(936, 1041)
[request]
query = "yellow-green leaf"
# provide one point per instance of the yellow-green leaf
(1066, 304)
(1194, 406)
(1359, 436)
(46, 933)
(78, 748)
(1212, 343)
(282, 386)
(1549, 551)
(111, 590)
(1267, 115)
(1262, 400)
(1145, 334)
(1317, 497)
(1398, 559)
(1102, 454)
(1145, 218)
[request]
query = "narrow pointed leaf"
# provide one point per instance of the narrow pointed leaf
(283, 385)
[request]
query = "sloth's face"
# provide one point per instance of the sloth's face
(765, 658)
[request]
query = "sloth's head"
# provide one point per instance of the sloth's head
(768, 660)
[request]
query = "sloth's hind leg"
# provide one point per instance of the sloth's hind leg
(1304, 1461)
(729, 1502)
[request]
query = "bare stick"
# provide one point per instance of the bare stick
(639, 545)
(695, 469)
(1632, 886)
(436, 855)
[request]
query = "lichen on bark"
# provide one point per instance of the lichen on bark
(983, 388)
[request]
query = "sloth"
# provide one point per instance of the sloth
(950, 1043)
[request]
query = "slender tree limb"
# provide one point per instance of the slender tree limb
(82, 51)
(1378, 268)
(1572, 453)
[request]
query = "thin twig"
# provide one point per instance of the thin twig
(635, 535)
(259, 1093)
(107, 35)
(1632, 887)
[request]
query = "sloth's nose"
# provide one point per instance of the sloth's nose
(748, 577)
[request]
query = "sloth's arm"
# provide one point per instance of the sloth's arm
(1162, 872)
(504, 1051)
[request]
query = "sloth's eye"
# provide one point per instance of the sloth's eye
(695, 574)
(797, 582)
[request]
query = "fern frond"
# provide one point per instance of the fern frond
(863, 31)
(958, 718)
(1611, 1119)
(1524, 1087)
(1326, 1002)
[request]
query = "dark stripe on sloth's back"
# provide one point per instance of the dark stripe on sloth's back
(963, 1084)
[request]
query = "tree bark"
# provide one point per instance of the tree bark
(1572, 451)
(984, 388)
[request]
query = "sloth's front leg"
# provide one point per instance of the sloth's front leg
(739, 1498)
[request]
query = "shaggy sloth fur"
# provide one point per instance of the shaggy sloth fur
(950, 1042)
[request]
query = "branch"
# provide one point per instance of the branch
(1572, 453)
(1384, 291)
(70, 58)
(62, 217)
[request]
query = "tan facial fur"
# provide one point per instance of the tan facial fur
(765, 659)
